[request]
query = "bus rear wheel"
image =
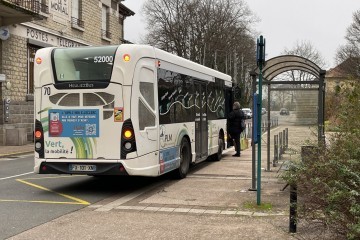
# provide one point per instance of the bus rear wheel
(185, 159)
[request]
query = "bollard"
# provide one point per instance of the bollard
(284, 141)
(280, 143)
(275, 151)
(278, 147)
(293, 208)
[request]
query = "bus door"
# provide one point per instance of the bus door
(145, 118)
(201, 131)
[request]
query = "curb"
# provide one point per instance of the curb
(101, 208)
(14, 154)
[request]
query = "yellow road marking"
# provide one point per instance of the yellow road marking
(39, 178)
(49, 202)
(76, 200)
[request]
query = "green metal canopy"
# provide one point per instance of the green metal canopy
(284, 63)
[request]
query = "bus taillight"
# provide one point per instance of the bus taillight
(128, 143)
(38, 134)
(39, 138)
(128, 133)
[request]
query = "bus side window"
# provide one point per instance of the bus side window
(146, 117)
(146, 102)
(147, 86)
(147, 91)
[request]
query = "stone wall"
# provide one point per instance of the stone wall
(21, 116)
(91, 15)
(1, 92)
(14, 61)
(14, 66)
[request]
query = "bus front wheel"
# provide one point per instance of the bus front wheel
(185, 159)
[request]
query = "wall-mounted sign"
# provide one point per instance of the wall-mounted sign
(60, 9)
(4, 33)
(44, 37)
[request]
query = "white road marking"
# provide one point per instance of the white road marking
(14, 158)
(16, 176)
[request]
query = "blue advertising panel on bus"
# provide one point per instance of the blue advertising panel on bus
(74, 123)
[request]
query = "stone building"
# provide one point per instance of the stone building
(28, 25)
(342, 74)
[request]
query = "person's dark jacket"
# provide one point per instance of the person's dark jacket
(234, 121)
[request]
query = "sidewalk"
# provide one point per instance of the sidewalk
(7, 151)
(213, 202)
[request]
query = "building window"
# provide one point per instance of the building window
(44, 7)
(114, 5)
(76, 12)
(105, 24)
(31, 56)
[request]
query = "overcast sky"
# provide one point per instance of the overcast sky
(282, 23)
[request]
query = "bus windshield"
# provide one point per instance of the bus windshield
(83, 64)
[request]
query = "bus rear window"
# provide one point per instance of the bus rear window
(83, 64)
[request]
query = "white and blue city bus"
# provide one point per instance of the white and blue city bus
(126, 110)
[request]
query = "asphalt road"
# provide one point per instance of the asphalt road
(28, 200)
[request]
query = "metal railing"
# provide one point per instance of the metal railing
(106, 34)
(77, 22)
(31, 5)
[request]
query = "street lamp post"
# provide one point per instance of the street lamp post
(260, 58)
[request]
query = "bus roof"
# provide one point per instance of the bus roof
(176, 60)
(168, 60)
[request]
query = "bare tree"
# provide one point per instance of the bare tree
(349, 54)
(215, 33)
(306, 50)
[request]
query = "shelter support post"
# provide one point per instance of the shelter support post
(253, 146)
(268, 130)
(321, 109)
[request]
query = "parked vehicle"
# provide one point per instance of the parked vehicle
(247, 112)
(263, 111)
(284, 111)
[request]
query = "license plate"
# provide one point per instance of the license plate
(82, 168)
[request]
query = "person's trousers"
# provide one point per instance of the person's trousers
(236, 138)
